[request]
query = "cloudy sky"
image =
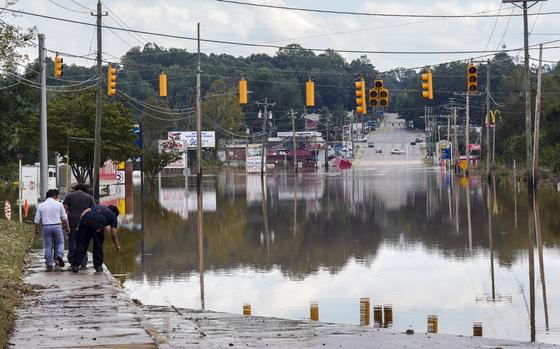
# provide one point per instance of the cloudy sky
(223, 21)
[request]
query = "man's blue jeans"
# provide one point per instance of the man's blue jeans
(53, 234)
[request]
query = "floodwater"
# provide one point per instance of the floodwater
(418, 239)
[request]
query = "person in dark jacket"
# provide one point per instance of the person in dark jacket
(75, 203)
(93, 224)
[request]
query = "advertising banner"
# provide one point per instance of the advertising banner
(208, 138)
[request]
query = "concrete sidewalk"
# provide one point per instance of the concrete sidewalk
(83, 310)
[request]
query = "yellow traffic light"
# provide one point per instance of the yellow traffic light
(373, 99)
(378, 84)
(361, 96)
(111, 81)
(427, 86)
(58, 67)
(384, 97)
(310, 93)
(242, 91)
(472, 79)
(162, 85)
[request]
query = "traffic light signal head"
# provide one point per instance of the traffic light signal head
(427, 87)
(111, 81)
(472, 79)
(373, 100)
(242, 91)
(378, 84)
(384, 98)
(361, 96)
(162, 85)
(310, 94)
(58, 67)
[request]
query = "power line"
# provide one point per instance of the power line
(66, 8)
(82, 6)
(174, 36)
(372, 14)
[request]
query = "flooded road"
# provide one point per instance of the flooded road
(420, 240)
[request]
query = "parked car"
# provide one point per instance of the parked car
(371, 145)
(413, 142)
(397, 151)
(361, 140)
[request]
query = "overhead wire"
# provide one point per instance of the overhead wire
(157, 117)
(175, 36)
(66, 8)
(371, 14)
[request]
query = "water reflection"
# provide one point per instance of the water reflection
(425, 241)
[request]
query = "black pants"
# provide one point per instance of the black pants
(73, 246)
(87, 232)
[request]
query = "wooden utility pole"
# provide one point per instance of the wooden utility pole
(198, 113)
(43, 148)
(467, 134)
(528, 137)
(97, 137)
(327, 144)
(537, 120)
(264, 118)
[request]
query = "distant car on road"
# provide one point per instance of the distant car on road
(378, 151)
(397, 151)
(361, 140)
(419, 140)
(413, 142)
(371, 145)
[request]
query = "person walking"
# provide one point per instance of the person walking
(52, 217)
(75, 203)
(93, 224)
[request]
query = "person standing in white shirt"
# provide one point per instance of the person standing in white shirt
(51, 215)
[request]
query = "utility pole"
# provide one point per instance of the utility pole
(43, 148)
(352, 133)
(97, 137)
(467, 134)
(537, 120)
(198, 114)
(488, 121)
(455, 148)
(327, 145)
(527, 83)
(264, 118)
(294, 139)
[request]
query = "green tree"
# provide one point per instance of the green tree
(71, 120)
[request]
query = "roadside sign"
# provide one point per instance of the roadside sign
(208, 138)
(176, 146)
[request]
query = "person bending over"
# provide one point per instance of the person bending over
(93, 224)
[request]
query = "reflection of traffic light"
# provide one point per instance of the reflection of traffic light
(242, 91)
(310, 94)
(373, 99)
(427, 87)
(58, 66)
(111, 81)
(383, 97)
(378, 84)
(162, 85)
(361, 96)
(472, 78)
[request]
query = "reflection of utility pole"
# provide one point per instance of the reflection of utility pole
(200, 235)
(490, 240)
(265, 214)
(264, 118)
(538, 234)
(488, 120)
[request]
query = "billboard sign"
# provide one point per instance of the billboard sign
(208, 138)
